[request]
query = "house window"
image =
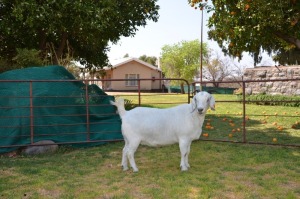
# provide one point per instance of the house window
(132, 82)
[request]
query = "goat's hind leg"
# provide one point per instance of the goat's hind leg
(132, 147)
(124, 158)
(124, 163)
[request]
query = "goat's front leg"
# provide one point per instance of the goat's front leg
(184, 146)
(187, 156)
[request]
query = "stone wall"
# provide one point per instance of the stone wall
(271, 73)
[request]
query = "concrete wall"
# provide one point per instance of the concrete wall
(271, 73)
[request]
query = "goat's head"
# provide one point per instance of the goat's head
(202, 101)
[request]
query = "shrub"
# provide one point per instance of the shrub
(238, 91)
(27, 57)
(273, 100)
(128, 104)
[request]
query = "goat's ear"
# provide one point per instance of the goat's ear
(193, 102)
(212, 103)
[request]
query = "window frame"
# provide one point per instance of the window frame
(131, 80)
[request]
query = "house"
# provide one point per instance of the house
(131, 69)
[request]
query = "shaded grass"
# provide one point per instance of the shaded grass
(218, 170)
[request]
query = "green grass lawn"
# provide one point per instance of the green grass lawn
(218, 170)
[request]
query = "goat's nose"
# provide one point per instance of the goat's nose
(200, 110)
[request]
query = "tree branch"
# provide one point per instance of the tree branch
(288, 39)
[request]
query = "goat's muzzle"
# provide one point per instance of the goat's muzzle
(200, 110)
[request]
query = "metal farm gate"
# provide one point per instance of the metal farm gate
(246, 120)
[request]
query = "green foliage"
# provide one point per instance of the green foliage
(151, 59)
(27, 58)
(129, 104)
(182, 60)
(86, 26)
(5, 65)
(252, 26)
(238, 91)
(273, 100)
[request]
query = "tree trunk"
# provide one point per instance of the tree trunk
(43, 39)
(42, 44)
(60, 50)
(182, 88)
(216, 84)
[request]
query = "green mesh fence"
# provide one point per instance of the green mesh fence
(215, 90)
(47, 103)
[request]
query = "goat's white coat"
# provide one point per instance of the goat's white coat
(157, 127)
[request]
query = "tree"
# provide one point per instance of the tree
(218, 68)
(85, 27)
(254, 26)
(151, 59)
(182, 60)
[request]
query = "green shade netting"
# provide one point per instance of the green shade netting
(57, 109)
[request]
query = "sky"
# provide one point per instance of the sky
(178, 21)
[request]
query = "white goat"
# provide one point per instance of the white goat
(157, 127)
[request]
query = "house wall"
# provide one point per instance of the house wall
(134, 67)
(272, 73)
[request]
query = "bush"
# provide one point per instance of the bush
(272, 100)
(26, 58)
(128, 104)
(5, 65)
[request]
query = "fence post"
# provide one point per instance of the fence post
(87, 110)
(139, 91)
(31, 113)
(244, 112)
(189, 92)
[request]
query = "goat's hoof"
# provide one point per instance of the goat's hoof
(184, 168)
(125, 168)
(135, 170)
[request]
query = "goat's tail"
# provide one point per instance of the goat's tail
(119, 103)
